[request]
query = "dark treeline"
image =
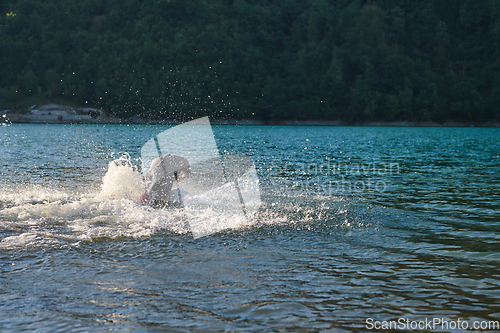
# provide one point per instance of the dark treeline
(265, 59)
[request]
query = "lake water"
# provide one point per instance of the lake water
(358, 225)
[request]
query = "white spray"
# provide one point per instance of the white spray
(122, 181)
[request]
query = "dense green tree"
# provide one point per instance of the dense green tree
(276, 59)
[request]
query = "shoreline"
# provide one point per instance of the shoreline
(30, 119)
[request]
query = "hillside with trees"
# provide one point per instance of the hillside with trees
(256, 59)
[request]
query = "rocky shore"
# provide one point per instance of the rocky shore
(80, 119)
(54, 114)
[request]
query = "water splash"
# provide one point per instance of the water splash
(122, 181)
(35, 216)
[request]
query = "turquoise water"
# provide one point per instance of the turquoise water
(356, 223)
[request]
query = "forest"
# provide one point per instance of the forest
(350, 60)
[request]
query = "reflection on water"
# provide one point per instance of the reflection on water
(426, 246)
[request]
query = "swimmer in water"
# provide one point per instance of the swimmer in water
(161, 175)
